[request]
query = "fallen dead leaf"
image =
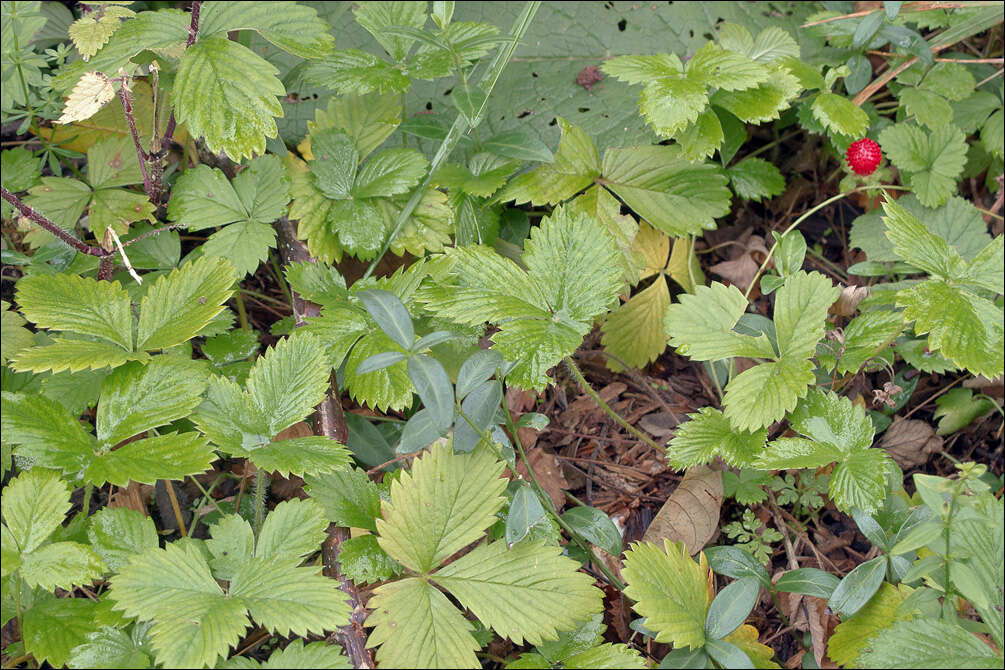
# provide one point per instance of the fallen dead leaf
(659, 424)
(299, 429)
(849, 299)
(911, 442)
(548, 471)
(742, 268)
(131, 497)
(691, 513)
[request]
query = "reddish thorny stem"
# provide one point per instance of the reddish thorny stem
(46, 223)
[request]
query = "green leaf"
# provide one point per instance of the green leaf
(348, 496)
(634, 331)
(469, 102)
(54, 626)
(86, 306)
(727, 654)
(167, 456)
(289, 380)
(391, 315)
(178, 305)
(527, 592)
(294, 528)
(203, 198)
(962, 326)
(518, 145)
(857, 587)
(927, 642)
(833, 420)
(670, 590)
(708, 434)
(109, 647)
(232, 544)
(14, 336)
(292, 27)
(295, 655)
(808, 581)
(764, 102)
(932, 161)
(416, 626)
(702, 325)
(62, 200)
(801, 312)
(928, 107)
(575, 167)
(387, 387)
(854, 633)
(671, 193)
(245, 88)
(379, 15)
(115, 208)
(727, 70)
(136, 397)
(119, 534)
(34, 505)
(957, 408)
(46, 432)
(423, 524)
(839, 115)
(913, 242)
(61, 565)
(363, 561)
(300, 456)
(525, 512)
(737, 563)
(350, 71)
(596, 527)
(865, 335)
(731, 607)
(434, 388)
(21, 170)
(391, 172)
(860, 480)
(758, 397)
(756, 178)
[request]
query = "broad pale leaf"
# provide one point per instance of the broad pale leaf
(117, 534)
(714, 66)
(445, 502)
(864, 337)
(933, 161)
(833, 420)
(203, 198)
(74, 355)
(351, 71)
(168, 456)
(702, 325)
(289, 380)
(194, 622)
(527, 592)
(113, 162)
(288, 599)
(349, 497)
(377, 16)
(839, 115)
(178, 305)
(756, 178)
(859, 480)
(89, 95)
(232, 545)
(136, 397)
(415, 626)
(244, 87)
(245, 244)
(78, 304)
(390, 172)
(293, 528)
(112, 646)
(90, 33)
(290, 26)
(536, 346)
(14, 336)
(758, 397)
(62, 200)
(764, 102)
(670, 590)
(312, 455)
(34, 505)
(708, 434)
(52, 627)
(914, 243)
(855, 632)
(295, 655)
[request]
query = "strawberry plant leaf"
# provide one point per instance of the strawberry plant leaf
(416, 626)
(294, 655)
(914, 243)
(709, 434)
(931, 161)
(178, 305)
(74, 355)
(925, 641)
(391, 172)
(34, 505)
(61, 565)
(52, 627)
(118, 534)
(61, 200)
(493, 581)
(290, 26)
(110, 646)
(244, 244)
(77, 304)
(634, 332)
(764, 102)
(294, 528)
(755, 178)
(421, 525)
(702, 324)
(839, 115)
(348, 496)
(245, 88)
(46, 432)
(801, 312)
(671, 591)
(575, 167)
(13, 335)
(289, 380)
(377, 16)
(350, 71)
(763, 394)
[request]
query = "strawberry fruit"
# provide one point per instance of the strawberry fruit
(863, 156)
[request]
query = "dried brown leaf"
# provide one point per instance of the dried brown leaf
(691, 513)
(911, 442)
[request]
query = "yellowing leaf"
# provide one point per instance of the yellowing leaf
(88, 96)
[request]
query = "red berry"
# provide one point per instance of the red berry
(863, 156)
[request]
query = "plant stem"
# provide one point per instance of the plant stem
(496, 68)
(46, 224)
(193, 30)
(608, 410)
(242, 313)
(261, 483)
(85, 505)
(803, 217)
(125, 95)
(175, 507)
(280, 278)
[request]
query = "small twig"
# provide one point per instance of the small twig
(997, 73)
(933, 397)
(151, 233)
(193, 30)
(885, 78)
(125, 95)
(920, 7)
(48, 225)
(169, 488)
(125, 259)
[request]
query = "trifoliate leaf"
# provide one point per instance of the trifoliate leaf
(755, 178)
(527, 592)
(78, 304)
(292, 27)
(416, 626)
(390, 172)
(600, 203)
(931, 161)
(116, 208)
(928, 107)
(708, 434)
(428, 228)
(367, 119)
(840, 115)
(20, 170)
(245, 88)
(203, 198)
(702, 325)
(422, 523)
(46, 432)
(364, 562)
(670, 590)
(717, 67)
(90, 94)
(178, 305)
(764, 102)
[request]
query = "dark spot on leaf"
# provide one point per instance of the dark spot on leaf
(448, 91)
(533, 74)
(429, 106)
(622, 24)
(553, 122)
(524, 114)
(583, 110)
(202, 300)
(588, 77)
